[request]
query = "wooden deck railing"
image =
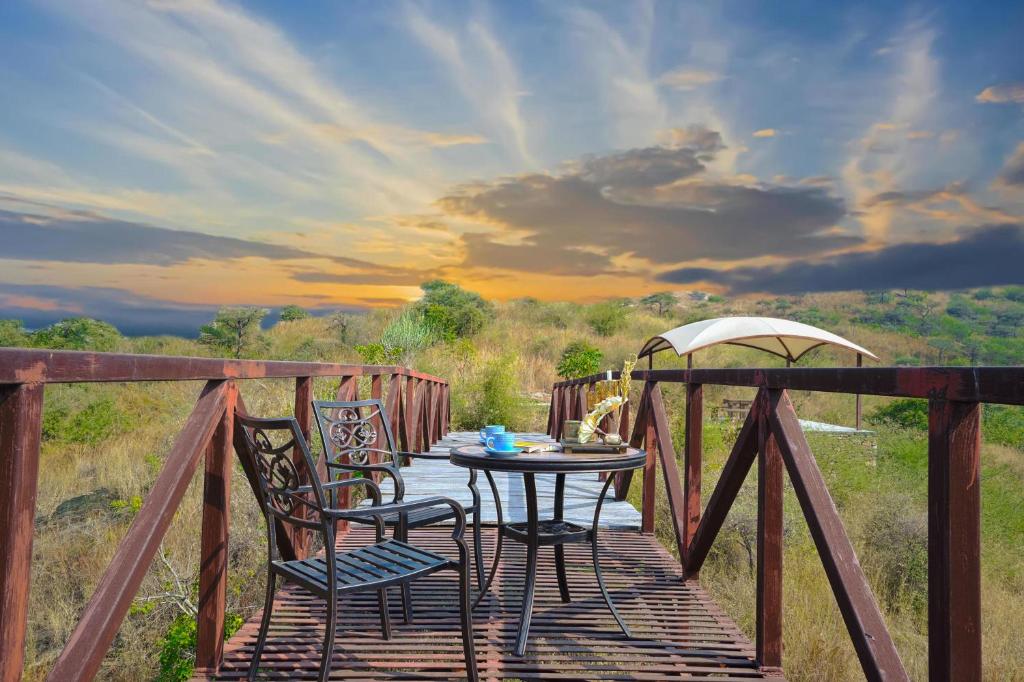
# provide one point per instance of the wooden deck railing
(772, 435)
(417, 403)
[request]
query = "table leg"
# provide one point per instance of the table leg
(497, 547)
(563, 582)
(597, 561)
(532, 532)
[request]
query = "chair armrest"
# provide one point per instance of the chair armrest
(374, 489)
(378, 510)
(424, 455)
(382, 468)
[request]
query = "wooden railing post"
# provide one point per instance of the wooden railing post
(409, 415)
(954, 541)
(768, 609)
(213, 563)
(21, 407)
(376, 393)
(300, 537)
(669, 467)
(693, 456)
(650, 469)
(88, 644)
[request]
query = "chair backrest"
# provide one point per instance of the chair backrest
(350, 437)
(291, 488)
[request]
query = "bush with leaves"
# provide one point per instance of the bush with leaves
(608, 318)
(12, 333)
(451, 311)
(579, 359)
(379, 354)
(178, 646)
(78, 333)
(293, 312)
(907, 413)
(235, 330)
(661, 302)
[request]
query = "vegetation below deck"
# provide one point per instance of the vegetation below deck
(104, 444)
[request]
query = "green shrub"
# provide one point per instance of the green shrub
(579, 359)
(91, 425)
(78, 333)
(178, 646)
(292, 312)
(896, 542)
(407, 335)
(451, 311)
(379, 354)
(607, 318)
(492, 397)
(12, 333)
(908, 413)
(1003, 424)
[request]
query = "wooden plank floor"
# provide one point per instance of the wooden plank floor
(428, 477)
(681, 634)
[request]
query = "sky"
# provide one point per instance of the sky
(160, 159)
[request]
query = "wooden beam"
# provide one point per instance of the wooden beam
(21, 408)
(88, 644)
(650, 466)
(874, 646)
(302, 538)
(669, 468)
(768, 608)
(729, 482)
(954, 541)
(693, 462)
(213, 563)
(29, 366)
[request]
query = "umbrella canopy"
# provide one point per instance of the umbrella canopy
(785, 338)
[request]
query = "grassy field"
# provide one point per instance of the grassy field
(104, 444)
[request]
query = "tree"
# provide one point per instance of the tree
(451, 311)
(579, 359)
(78, 333)
(293, 312)
(12, 333)
(607, 318)
(661, 302)
(235, 330)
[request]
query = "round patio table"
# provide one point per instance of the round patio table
(536, 532)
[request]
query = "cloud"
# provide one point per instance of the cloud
(987, 256)
(82, 237)
(766, 132)
(685, 78)
(131, 313)
(1012, 93)
(1012, 174)
(656, 203)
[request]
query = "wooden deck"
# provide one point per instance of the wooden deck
(426, 478)
(681, 634)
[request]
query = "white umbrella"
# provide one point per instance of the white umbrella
(785, 338)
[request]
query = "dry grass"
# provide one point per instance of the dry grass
(70, 555)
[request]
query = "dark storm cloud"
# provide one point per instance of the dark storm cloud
(632, 202)
(986, 256)
(132, 314)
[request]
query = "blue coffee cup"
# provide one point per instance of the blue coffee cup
(502, 441)
(491, 430)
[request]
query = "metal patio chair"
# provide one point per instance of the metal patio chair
(291, 492)
(350, 439)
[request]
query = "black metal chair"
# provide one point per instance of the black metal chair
(286, 498)
(349, 438)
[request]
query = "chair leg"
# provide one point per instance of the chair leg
(385, 616)
(402, 535)
(478, 551)
(466, 613)
(261, 638)
(328, 650)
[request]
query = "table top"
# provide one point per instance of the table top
(474, 457)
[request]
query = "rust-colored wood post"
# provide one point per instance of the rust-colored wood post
(213, 563)
(21, 408)
(581, 400)
(300, 537)
(376, 393)
(954, 541)
(393, 407)
(768, 610)
(551, 411)
(650, 470)
(410, 413)
(693, 461)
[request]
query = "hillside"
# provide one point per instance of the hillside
(103, 445)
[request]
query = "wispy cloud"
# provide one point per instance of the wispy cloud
(1002, 94)
(688, 78)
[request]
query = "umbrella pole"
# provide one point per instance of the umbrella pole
(860, 362)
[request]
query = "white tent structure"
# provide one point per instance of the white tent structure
(785, 338)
